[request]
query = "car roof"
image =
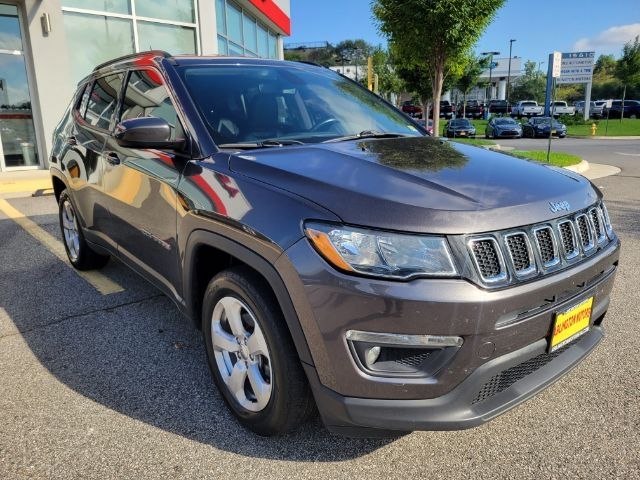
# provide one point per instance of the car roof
(155, 57)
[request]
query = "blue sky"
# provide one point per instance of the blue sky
(538, 26)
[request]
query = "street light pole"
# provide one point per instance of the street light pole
(509, 70)
(491, 54)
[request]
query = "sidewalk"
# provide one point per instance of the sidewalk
(25, 183)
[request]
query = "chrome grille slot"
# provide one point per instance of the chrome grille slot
(586, 234)
(547, 246)
(568, 239)
(520, 253)
(488, 259)
(595, 215)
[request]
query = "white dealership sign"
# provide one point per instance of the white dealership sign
(577, 67)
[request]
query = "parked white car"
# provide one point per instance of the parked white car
(527, 108)
(560, 107)
(595, 110)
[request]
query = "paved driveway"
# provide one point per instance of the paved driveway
(116, 385)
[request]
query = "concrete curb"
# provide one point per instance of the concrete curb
(581, 167)
(602, 137)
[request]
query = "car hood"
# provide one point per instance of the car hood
(418, 184)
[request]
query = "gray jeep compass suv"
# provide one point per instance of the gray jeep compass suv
(335, 256)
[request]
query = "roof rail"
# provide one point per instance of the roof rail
(160, 53)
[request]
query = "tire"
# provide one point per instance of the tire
(79, 253)
(278, 371)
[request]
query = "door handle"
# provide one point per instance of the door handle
(72, 140)
(112, 158)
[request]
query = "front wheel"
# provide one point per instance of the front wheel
(78, 250)
(251, 354)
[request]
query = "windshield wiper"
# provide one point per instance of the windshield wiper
(261, 144)
(367, 134)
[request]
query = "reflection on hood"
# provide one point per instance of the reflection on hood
(417, 154)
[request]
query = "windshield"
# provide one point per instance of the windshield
(505, 121)
(529, 104)
(253, 103)
(462, 122)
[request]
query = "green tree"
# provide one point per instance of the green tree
(389, 82)
(628, 67)
(434, 34)
(531, 85)
(605, 64)
(354, 52)
(474, 66)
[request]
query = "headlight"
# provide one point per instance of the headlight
(379, 253)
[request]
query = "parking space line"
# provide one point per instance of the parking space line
(100, 282)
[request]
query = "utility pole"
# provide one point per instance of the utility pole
(509, 70)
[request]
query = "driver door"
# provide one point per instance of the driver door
(140, 185)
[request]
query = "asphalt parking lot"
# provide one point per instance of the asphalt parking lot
(115, 385)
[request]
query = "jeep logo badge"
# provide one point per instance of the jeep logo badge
(558, 206)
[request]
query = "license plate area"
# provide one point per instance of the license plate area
(570, 324)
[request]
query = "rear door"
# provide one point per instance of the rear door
(93, 118)
(140, 185)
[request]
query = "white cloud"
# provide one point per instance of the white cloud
(610, 40)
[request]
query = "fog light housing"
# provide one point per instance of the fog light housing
(398, 355)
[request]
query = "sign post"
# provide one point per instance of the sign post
(555, 60)
(553, 71)
(577, 67)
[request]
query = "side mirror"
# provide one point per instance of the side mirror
(145, 132)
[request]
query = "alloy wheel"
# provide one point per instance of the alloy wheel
(70, 230)
(241, 353)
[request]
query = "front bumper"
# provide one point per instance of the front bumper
(508, 134)
(545, 133)
(499, 327)
(475, 401)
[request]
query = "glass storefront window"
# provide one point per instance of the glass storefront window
(171, 38)
(111, 6)
(235, 50)
(174, 10)
(110, 37)
(234, 23)
(10, 39)
(18, 147)
(240, 33)
(249, 27)
(273, 46)
(222, 45)
(263, 42)
(220, 17)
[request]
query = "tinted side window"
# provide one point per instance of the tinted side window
(103, 100)
(83, 99)
(146, 96)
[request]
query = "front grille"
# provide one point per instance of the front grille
(585, 232)
(546, 245)
(508, 377)
(536, 250)
(519, 252)
(485, 252)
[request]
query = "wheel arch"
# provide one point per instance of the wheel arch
(207, 253)
(59, 183)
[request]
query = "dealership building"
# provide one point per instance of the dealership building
(47, 46)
